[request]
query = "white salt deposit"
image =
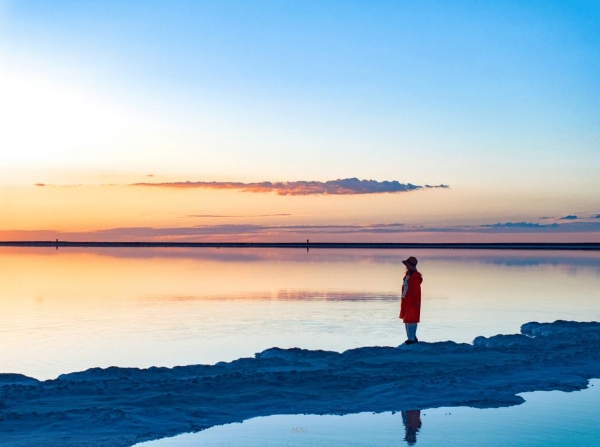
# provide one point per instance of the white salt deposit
(124, 406)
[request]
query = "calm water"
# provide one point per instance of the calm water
(546, 419)
(68, 310)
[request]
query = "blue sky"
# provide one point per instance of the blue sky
(497, 99)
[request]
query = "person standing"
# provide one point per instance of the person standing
(410, 304)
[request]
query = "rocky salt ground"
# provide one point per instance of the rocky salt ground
(124, 406)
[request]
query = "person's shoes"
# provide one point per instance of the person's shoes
(410, 342)
(416, 339)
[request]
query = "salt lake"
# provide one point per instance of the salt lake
(71, 309)
(66, 310)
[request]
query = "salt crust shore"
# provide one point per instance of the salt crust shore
(124, 406)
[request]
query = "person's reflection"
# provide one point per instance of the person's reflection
(412, 423)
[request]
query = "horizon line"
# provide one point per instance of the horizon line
(588, 246)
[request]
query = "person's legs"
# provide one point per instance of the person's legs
(411, 331)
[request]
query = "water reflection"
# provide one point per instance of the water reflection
(546, 419)
(412, 424)
(73, 309)
(511, 258)
(287, 295)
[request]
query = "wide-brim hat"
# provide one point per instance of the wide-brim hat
(411, 263)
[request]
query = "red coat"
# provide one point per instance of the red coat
(410, 305)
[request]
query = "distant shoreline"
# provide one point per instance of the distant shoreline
(587, 246)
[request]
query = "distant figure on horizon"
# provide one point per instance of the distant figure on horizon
(410, 304)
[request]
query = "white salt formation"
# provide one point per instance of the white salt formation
(124, 406)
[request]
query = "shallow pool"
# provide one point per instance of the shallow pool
(546, 419)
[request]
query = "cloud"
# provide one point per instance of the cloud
(386, 232)
(78, 185)
(569, 226)
(520, 225)
(203, 216)
(303, 188)
(204, 232)
(572, 217)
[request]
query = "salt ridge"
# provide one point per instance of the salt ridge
(124, 406)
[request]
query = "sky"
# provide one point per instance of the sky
(386, 121)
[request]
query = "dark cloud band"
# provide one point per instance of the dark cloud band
(347, 186)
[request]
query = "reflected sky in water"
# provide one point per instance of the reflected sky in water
(546, 419)
(69, 310)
